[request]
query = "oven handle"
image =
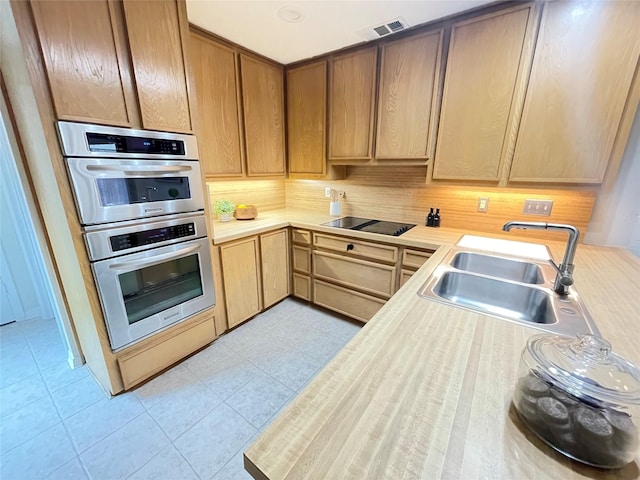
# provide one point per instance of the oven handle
(128, 266)
(147, 170)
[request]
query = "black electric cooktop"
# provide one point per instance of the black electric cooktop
(372, 226)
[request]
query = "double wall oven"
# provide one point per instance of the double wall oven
(139, 199)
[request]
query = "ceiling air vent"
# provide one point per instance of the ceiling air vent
(387, 28)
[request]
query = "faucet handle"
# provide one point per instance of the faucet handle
(566, 280)
(555, 267)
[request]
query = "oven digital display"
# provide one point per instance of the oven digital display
(149, 237)
(100, 142)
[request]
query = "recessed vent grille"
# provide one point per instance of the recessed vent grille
(382, 30)
(387, 28)
(395, 26)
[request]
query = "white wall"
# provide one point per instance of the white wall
(23, 263)
(20, 93)
(616, 222)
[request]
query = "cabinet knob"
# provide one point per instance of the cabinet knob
(349, 247)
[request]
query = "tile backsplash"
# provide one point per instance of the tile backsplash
(401, 194)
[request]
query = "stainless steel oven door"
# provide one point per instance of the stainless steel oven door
(143, 293)
(110, 190)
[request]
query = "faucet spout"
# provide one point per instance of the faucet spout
(564, 278)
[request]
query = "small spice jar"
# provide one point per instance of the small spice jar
(580, 398)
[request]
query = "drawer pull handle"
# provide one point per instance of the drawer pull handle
(349, 247)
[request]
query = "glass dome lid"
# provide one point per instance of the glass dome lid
(585, 367)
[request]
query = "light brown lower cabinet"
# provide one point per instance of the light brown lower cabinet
(350, 276)
(301, 259)
(348, 302)
(302, 286)
(415, 258)
(242, 279)
(274, 252)
(405, 275)
(139, 365)
(301, 263)
(412, 260)
(255, 272)
(363, 275)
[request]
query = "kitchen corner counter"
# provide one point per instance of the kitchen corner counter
(419, 236)
(424, 389)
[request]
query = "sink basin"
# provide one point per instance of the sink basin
(518, 271)
(513, 289)
(513, 301)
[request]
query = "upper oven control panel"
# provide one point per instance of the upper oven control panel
(100, 142)
(88, 140)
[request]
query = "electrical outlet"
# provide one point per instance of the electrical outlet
(537, 207)
(483, 204)
(327, 192)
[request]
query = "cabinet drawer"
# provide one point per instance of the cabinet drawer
(405, 275)
(301, 236)
(353, 304)
(302, 286)
(385, 253)
(354, 273)
(140, 365)
(302, 259)
(415, 258)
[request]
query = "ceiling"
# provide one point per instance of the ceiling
(323, 25)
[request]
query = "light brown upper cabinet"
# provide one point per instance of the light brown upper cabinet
(219, 128)
(306, 117)
(352, 87)
(263, 104)
(157, 54)
(585, 60)
(409, 72)
(83, 58)
(478, 118)
(89, 48)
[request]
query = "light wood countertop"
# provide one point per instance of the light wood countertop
(424, 389)
(419, 236)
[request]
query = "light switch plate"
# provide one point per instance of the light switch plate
(327, 192)
(537, 207)
(483, 204)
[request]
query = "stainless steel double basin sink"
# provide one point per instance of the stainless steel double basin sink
(509, 288)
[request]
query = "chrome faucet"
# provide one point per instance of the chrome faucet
(564, 277)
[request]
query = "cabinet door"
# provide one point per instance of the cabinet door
(242, 285)
(219, 138)
(409, 73)
(155, 40)
(477, 101)
(306, 107)
(263, 102)
(351, 105)
(81, 52)
(274, 249)
(585, 59)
